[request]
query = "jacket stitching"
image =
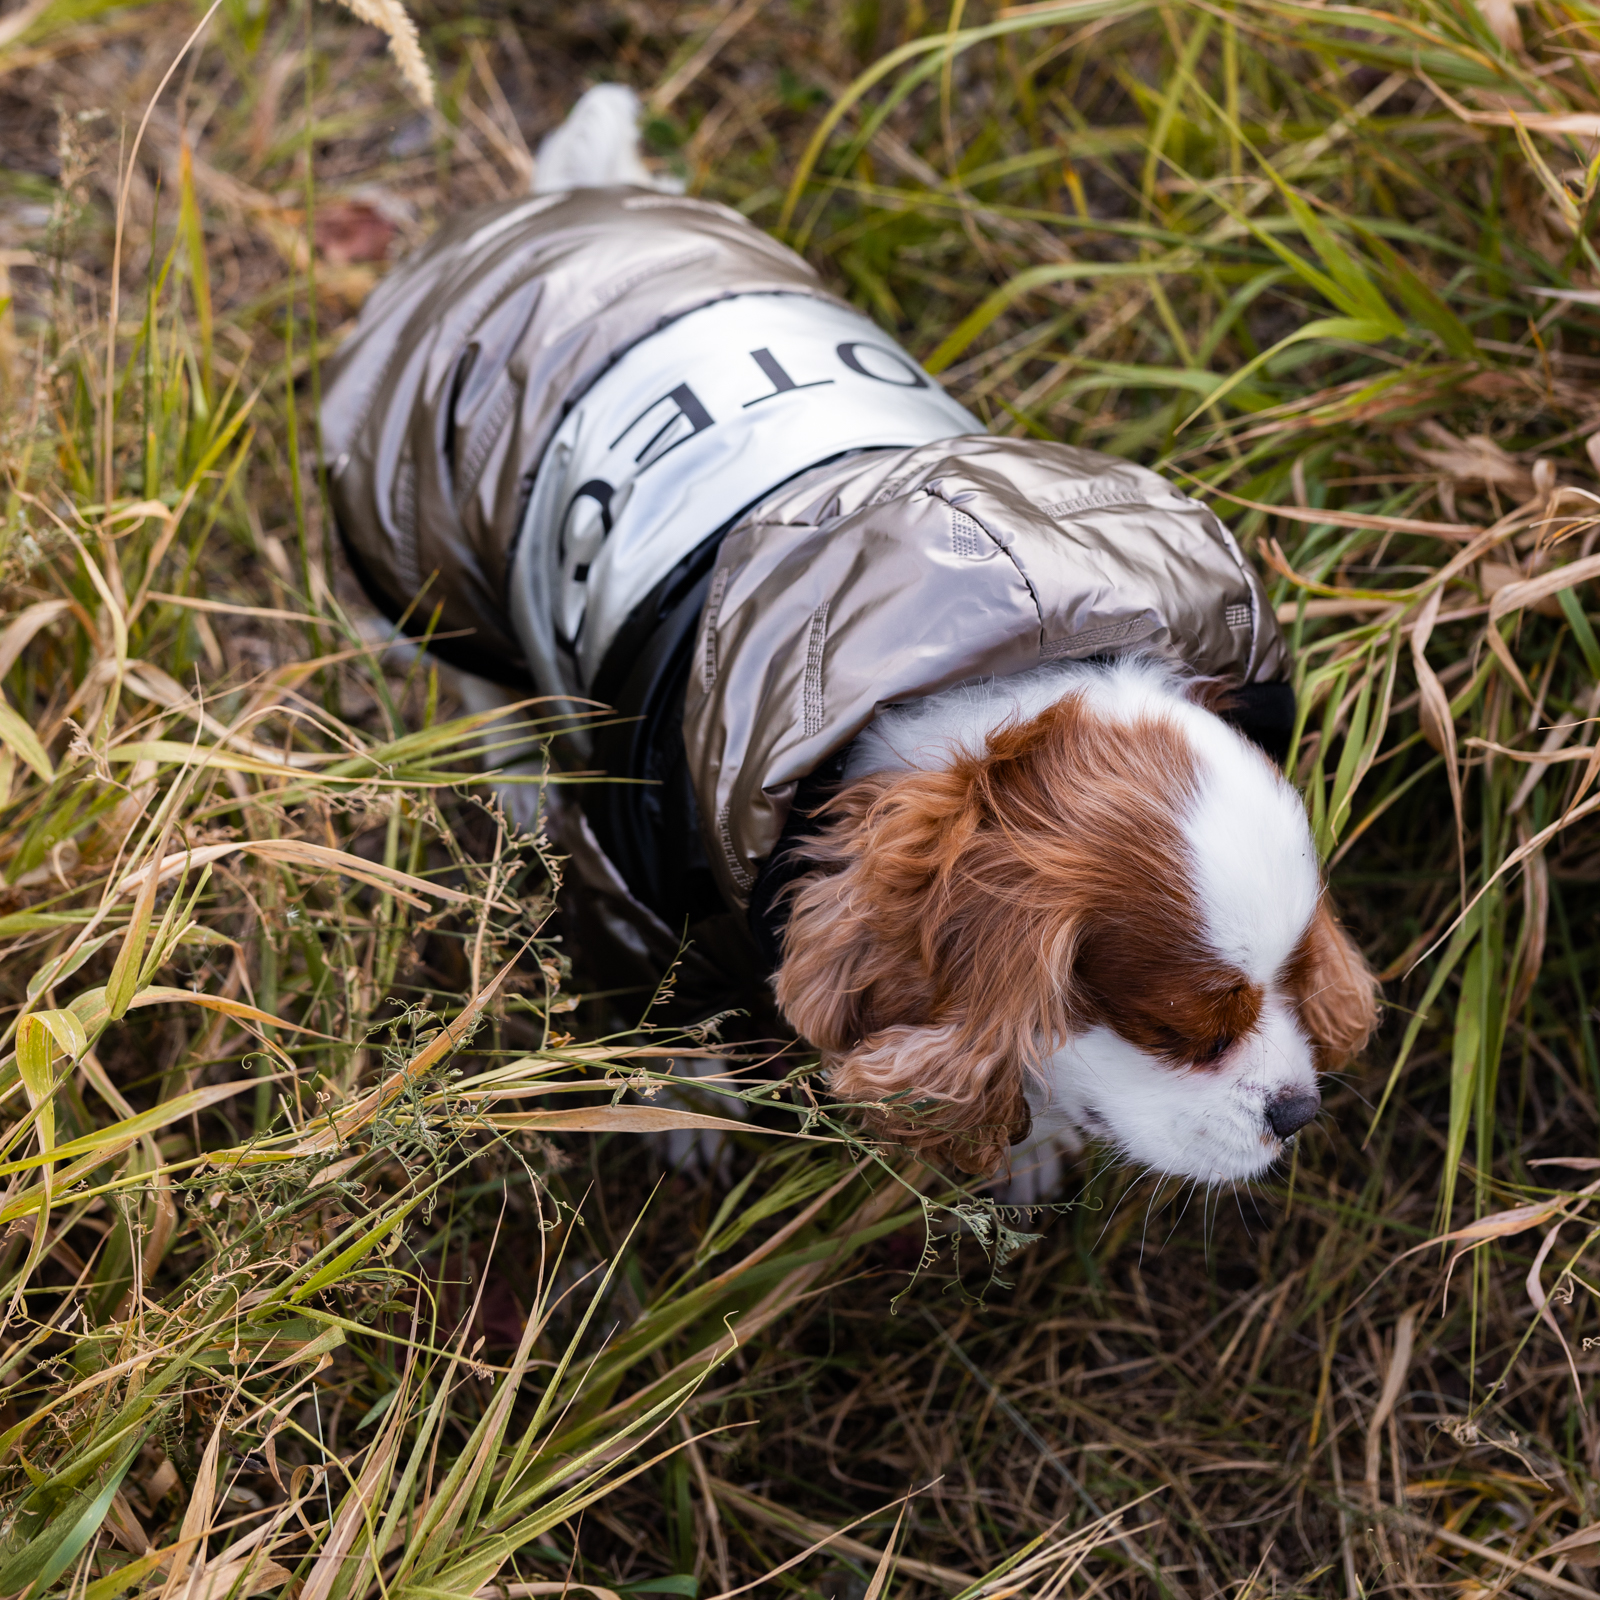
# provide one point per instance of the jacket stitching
(891, 487)
(382, 313)
(966, 536)
(741, 875)
(482, 447)
(487, 433)
(1247, 572)
(1096, 502)
(816, 711)
(708, 654)
(937, 490)
(609, 294)
(1092, 638)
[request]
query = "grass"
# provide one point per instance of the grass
(333, 1265)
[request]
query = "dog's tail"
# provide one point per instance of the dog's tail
(597, 145)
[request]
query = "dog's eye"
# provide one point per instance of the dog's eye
(1184, 1051)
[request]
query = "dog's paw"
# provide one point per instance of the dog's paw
(697, 1153)
(1038, 1169)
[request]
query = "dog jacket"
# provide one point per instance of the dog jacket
(630, 450)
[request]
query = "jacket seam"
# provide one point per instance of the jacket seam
(1096, 502)
(488, 436)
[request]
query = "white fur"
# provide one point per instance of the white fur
(925, 735)
(1254, 871)
(597, 146)
(1254, 864)
(1207, 1123)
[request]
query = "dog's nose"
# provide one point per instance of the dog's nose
(1290, 1112)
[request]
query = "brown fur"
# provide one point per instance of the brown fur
(928, 957)
(1334, 991)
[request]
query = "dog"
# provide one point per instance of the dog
(970, 747)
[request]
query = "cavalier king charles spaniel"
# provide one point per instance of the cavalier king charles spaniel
(1073, 904)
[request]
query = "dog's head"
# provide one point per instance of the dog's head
(1116, 900)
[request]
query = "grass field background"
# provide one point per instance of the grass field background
(333, 1262)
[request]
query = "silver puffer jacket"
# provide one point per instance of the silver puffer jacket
(870, 582)
(878, 576)
(437, 409)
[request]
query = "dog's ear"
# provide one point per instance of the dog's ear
(852, 956)
(1336, 991)
(926, 1089)
(906, 964)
